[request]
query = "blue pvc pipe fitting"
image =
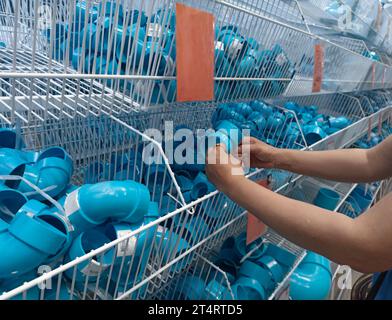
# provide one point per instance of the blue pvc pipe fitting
(241, 249)
(274, 268)
(275, 122)
(252, 270)
(354, 204)
(167, 205)
(165, 64)
(311, 280)
(81, 13)
(292, 106)
(133, 43)
(201, 186)
(185, 183)
(246, 288)
(285, 258)
(92, 205)
(363, 199)
(327, 199)
(261, 107)
(215, 290)
(232, 132)
(51, 173)
(258, 119)
(11, 201)
(312, 257)
(194, 230)
(313, 134)
(157, 179)
(247, 66)
(10, 139)
(165, 19)
(98, 171)
(91, 268)
(242, 108)
(11, 163)
(135, 250)
(12, 283)
(30, 240)
(171, 246)
(192, 288)
(236, 45)
(339, 122)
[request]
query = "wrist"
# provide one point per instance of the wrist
(280, 158)
(230, 185)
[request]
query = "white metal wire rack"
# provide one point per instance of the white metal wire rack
(178, 233)
(56, 103)
(205, 271)
(98, 44)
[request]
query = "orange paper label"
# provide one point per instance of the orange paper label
(318, 68)
(255, 227)
(194, 54)
(373, 74)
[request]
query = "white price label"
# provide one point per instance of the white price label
(154, 30)
(219, 45)
(93, 268)
(235, 48)
(127, 247)
(71, 204)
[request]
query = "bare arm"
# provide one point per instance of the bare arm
(350, 165)
(364, 243)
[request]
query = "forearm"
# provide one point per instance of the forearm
(330, 234)
(350, 165)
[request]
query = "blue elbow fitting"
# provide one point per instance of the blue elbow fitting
(91, 268)
(131, 253)
(11, 201)
(327, 199)
(51, 173)
(184, 182)
(11, 163)
(170, 246)
(312, 280)
(10, 139)
(30, 240)
(157, 179)
(92, 205)
(201, 186)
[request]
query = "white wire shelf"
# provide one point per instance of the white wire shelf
(89, 146)
(148, 79)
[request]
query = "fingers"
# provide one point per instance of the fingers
(215, 153)
(249, 140)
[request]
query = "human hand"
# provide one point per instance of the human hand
(222, 169)
(257, 153)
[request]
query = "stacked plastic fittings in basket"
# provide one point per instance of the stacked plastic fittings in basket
(109, 39)
(253, 272)
(59, 222)
(281, 129)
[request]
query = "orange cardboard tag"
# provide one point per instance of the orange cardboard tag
(255, 227)
(373, 74)
(369, 129)
(379, 123)
(318, 68)
(194, 54)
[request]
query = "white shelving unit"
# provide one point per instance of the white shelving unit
(55, 97)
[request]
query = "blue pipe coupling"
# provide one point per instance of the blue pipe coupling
(51, 173)
(312, 280)
(11, 163)
(33, 235)
(92, 205)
